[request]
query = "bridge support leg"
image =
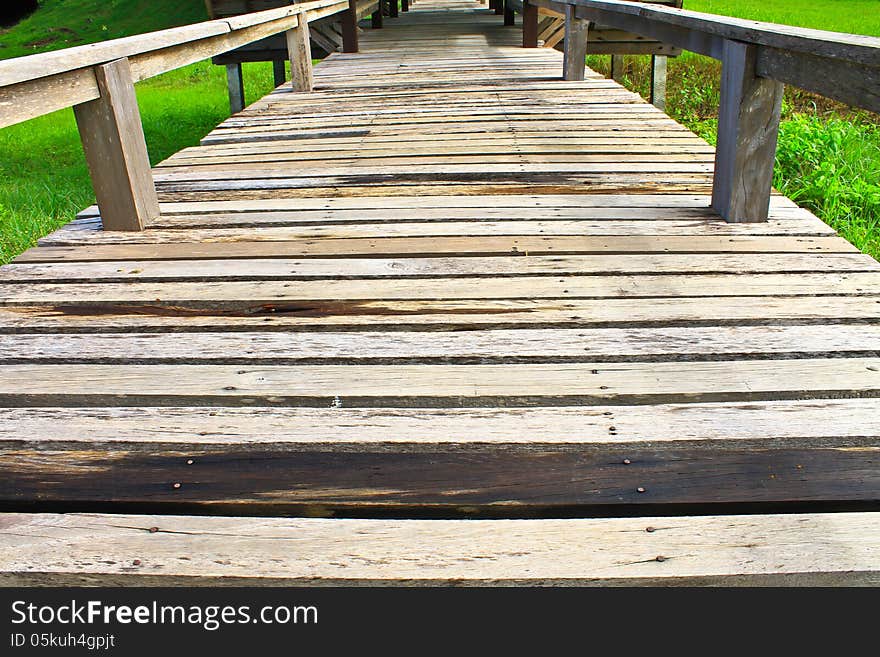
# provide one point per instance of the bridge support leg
(116, 151)
(404, 5)
(658, 81)
(575, 53)
(299, 50)
(509, 14)
(279, 74)
(748, 126)
(499, 7)
(376, 17)
(530, 25)
(618, 63)
(350, 28)
(393, 8)
(235, 87)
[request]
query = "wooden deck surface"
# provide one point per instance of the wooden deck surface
(446, 284)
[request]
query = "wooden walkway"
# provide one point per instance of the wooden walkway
(446, 284)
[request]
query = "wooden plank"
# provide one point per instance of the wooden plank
(440, 385)
(789, 549)
(519, 480)
(216, 293)
(261, 269)
(498, 345)
(816, 423)
(748, 126)
(116, 150)
(431, 246)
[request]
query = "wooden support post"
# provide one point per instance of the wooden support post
(376, 17)
(617, 66)
(404, 5)
(299, 50)
(279, 73)
(392, 8)
(575, 52)
(116, 151)
(499, 7)
(530, 25)
(350, 28)
(658, 81)
(748, 125)
(493, 4)
(509, 14)
(235, 86)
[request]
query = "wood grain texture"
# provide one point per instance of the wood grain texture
(470, 290)
(805, 549)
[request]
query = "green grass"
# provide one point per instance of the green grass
(828, 158)
(44, 180)
(65, 23)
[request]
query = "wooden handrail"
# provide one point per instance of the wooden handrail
(757, 59)
(97, 80)
(34, 85)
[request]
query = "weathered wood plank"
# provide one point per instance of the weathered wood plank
(440, 385)
(77, 549)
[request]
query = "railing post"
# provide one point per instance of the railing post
(235, 87)
(499, 7)
(116, 151)
(392, 9)
(748, 126)
(509, 14)
(658, 81)
(376, 17)
(299, 50)
(575, 46)
(404, 5)
(350, 28)
(530, 25)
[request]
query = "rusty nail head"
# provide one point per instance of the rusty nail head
(136, 562)
(153, 530)
(649, 529)
(660, 558)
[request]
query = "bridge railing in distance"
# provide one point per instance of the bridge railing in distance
(97, 80)
(757, 60)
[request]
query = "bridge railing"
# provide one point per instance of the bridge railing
(757, 60)
(97, 80)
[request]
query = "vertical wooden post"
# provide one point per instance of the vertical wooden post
(530, 25)
(116, 151)
(748, 126)
(299, 50)
(350, 28)
(575, 46)
(492, 4)
(509, 14)
(392, 8)
(618, 63)
(658, 81)
(404, 5)
(499, 7)
(376, 17)
(235, 86)
(279, 73)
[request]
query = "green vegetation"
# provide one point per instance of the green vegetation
(828, 158)
(44, 180)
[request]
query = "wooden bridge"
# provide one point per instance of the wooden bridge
(441, 316)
